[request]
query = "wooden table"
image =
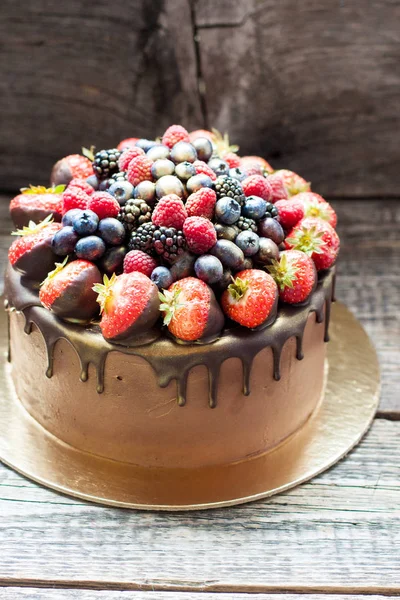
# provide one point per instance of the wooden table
(338, 535)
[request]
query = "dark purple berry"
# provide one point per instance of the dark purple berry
(228, 253)
(267, 252)
(162, 277)
(237, 173)
(226, 232)
(113, 259)
(111, 231)
(271, 228)
(183, 266)
(204, 148)
(90, 248)
(208, 268)
(64, 241)
(93, 181)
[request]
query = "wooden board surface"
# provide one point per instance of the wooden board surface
(314, 87)
(16, 593)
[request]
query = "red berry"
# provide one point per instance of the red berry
(127, 156)
(139, 169)
(74, 197)
(201, 203)
(290, 212)
(232, 159)
(136, 260)
(68, 291)
(127, 143)
(104, 205)
(295, 276)
(255, 164)
(317, 239)
(74, 166)
(279, 191)
(200, 234)
(35, 207)
(251, 299)
(294, 183)
(202, 167)
(82, 184)
(129, 304)
(257, 185)
(201, 133)
(175, 134)
(191, 311)
(169, 212)
(316, 206)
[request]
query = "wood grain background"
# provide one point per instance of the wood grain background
(313, 86)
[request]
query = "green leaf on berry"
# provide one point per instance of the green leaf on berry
(58, 267)
(41, 189)
(222, 143)
(169, 304)
(313, 208)
(33, 227)
(283, 272)
(105, 291)
(238, 288)
(308, 241)
(89, 152)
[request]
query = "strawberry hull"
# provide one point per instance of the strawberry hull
(78, 302)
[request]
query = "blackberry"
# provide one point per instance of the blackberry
(246, 224)
(142, 238)
(105, 163)
(271, 211)
(228, 186)
(119, 176)
(134, 213)
(169, 243)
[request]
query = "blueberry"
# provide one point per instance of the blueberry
(208, 268)
(70, 215)
(158, 151)
(271, 228)
(145, 145)
(237, 173)
(93, 181)
(197, 182)
(219, 166)
(267, 252)
(113, 259)
(183, 152)
(64, 241)
(248, 242)
(90, 248)
(162, 277)
(162, 167)
(111, 231)
(85, 223)
(228, 253)
(146, 190)
(185, 170)
(169, 184)
(122, 191)
(204, 148)
(254, 208)
(227, 210)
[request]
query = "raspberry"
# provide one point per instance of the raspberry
(169, 212)
(175, 134)
(127, 143)
(103, 204)
(127, 156)
(202, 167)
(139, 170)
(232, 159)
(200, 234)
(136, 260)
(74, 197)
(257, 185)
(82, 185)
(279, 191)
(201, 203)
(290, 212)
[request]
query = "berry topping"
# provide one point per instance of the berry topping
(228, 186)
(122, 191)
(255, 165)
(228, 253)
(136, 260)
(74, 166)
(35, 204)
(227, 210)
(183, 152)
(204, 147)
(162, 277)
(105, 162)
(208, 268)
(112, 260)
(257, 185)
(279, 191)
(316, 238)
(142, 238)
(244, 224)
(295, 276)
(248, 242)
(201, 203)
(64, 241)
(134, 213)
(251, 298)
(85, 222)
(197, 182)
(169, 184)
(290, 212)
(169, 212)
(267, 252)
(127, 143)
(169, 243)
(90, 247)
(127, 156)
(139, 169)
(202, 168)
(175, 134)
(256, 208)
(74, 197)
(111, 231)
(104, 205)
(294, 184)
(200, 234)
(271, 228)
(314, 205)
(129, 305)
(232, 159)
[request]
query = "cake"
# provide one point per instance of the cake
(169, 301)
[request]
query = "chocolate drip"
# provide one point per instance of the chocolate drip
(169, 360)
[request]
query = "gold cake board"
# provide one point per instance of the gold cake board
(344, 415)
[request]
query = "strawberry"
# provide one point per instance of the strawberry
(73, 166)
(294, 183)
(129, 305)
(295, 276)
(290, 212)
(127, 143)
(256, 163)
(139, 169)
(257, 185)
(279, 191)
(251, 299)
(201, 203)
(35, 204)
(200, 234)
(127, 156)
(68, 291)
(191, 311)
(31, 254)
(316, 206)
(175, 134)
(201, 133)
(103, 204)
(316, 238)
(136, 260)
(169, 212)
(203, 168)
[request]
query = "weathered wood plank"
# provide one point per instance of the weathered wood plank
(313, 86)
(15, 593)
(73, 76)
(340, 532)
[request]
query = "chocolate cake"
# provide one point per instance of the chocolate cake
(184, 318)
